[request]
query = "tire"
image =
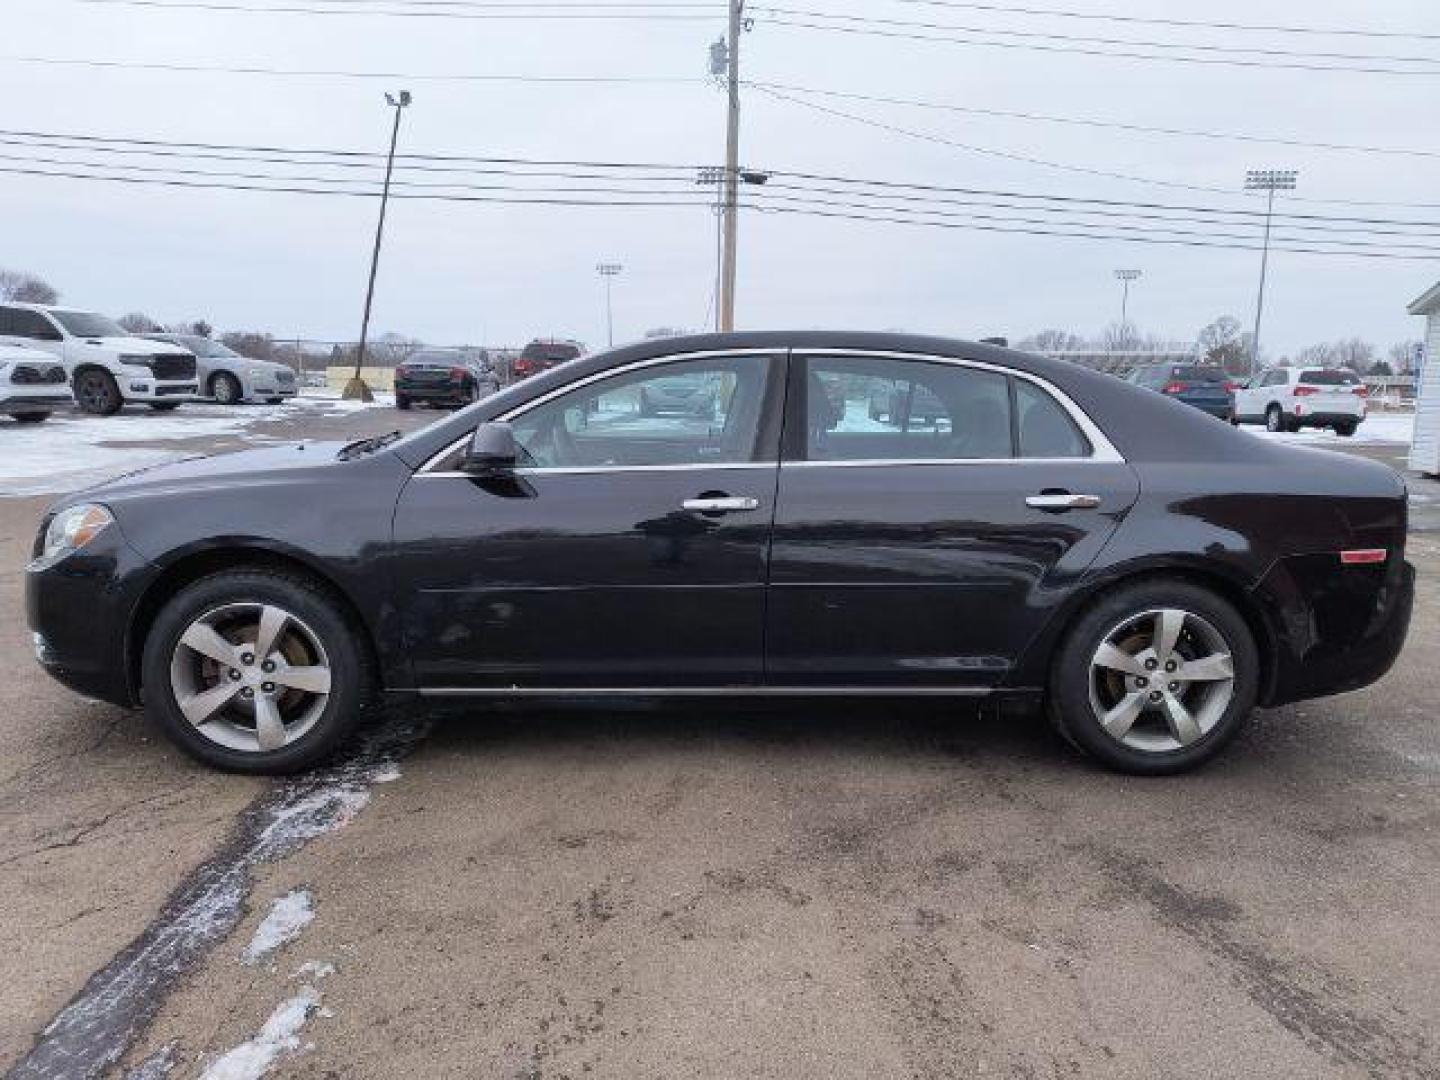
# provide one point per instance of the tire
(1081, 690)
(402, 402)
(97, 393)
(31, 417)
(1346, 429)
(317, 635)
(164, 406)
(274, 400)
(226, 389)
(1274, 419)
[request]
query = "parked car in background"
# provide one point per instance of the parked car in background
(229, 377)
(1287, 399)
(1059, 537)
(33, 384)
(686, 395)
(108, 367)
(443, 377)
(904, 404)
(1204, 386)
(543, 354)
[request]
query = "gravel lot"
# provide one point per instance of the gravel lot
(823, 890)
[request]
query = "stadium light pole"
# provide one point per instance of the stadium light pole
(1268, 181)
(609, 271)
(1126, 276)
(356, 388)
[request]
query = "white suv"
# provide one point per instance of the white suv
(32, 384)
(1287, 399)
(107, 366)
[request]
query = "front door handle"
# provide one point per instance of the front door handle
(1062, 500)
(721, 504)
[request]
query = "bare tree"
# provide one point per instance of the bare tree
(1052, 341)
(137, 322)
(1121, 337)
(1402, 356)
(1321, 354)
(249, 343)
(1223, 342)
(1355, 354)
(26, 288)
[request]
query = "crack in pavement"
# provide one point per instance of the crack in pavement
(118, 1003)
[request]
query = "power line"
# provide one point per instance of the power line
(1083, 50)
(401, 11)
(1271, 28)
(678, 172)
(1204, 47)
(1080, 121)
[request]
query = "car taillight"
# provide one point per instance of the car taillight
(1305, 391)
(1231, 387)
(1362, 391)
(1175, 388)
(1363, 556)
(401, 371)
(458, 373)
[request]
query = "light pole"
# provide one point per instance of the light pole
(356, 388)
(609, 271)
(1268, 181)
(1126, 276)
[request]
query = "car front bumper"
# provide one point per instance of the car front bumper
(19, 402)
(79, 611)
(139, 388)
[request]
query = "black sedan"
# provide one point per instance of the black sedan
(1058, 537)
(443, 377)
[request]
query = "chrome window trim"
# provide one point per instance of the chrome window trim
(1102, 449)
(429, 468)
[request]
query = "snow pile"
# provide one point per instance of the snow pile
(280, 1035)
(1375, 428)
(288, 915)
(314, 969)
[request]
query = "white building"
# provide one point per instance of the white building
(1425, 447)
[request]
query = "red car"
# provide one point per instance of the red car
(541, 355)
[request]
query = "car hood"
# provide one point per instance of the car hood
(136, 345)
(266, 465)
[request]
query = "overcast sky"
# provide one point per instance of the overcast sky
(295, 264)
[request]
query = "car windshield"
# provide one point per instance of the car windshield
(88, 324)
(205, 347)
(1330, 378)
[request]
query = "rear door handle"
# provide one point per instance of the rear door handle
(721, 504)
(1062, 500)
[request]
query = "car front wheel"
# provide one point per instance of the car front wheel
(97, 393)
(255, 671)
(226, 389)
(1156, 678)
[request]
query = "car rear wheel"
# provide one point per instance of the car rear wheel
(401, 401)
(255, 671)
(1156, 678)
(226, 389)
(31, 417)
(1274, 419)
(1346, 428)
(97, 393)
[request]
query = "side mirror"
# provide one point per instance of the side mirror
(492, 449)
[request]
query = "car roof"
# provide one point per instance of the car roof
(27, 351)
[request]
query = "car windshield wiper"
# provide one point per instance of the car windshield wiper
(366, 446)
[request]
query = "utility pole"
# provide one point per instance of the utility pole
(732, 167)
(1126, 276)
(356, 388)
(1268, 181)
(609, 271)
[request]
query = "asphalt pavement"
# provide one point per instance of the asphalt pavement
(824, 889)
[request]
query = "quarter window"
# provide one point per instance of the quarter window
(1045, 430)
(692, 412)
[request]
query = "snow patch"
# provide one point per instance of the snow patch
(314, 969)
(386, 774)
(280, 1035)
(289, 914)
(1376, 428)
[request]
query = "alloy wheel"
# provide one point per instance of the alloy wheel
(250, 677)
(1161, 680)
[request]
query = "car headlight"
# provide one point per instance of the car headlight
(69, 531)
(135, 359)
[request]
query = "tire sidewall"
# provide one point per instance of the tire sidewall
(1069, 690)
(111, 389)
(226, 388)
(348, 668)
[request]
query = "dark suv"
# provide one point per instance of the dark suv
(443, 377)
(543, 354)
(1205, 386)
